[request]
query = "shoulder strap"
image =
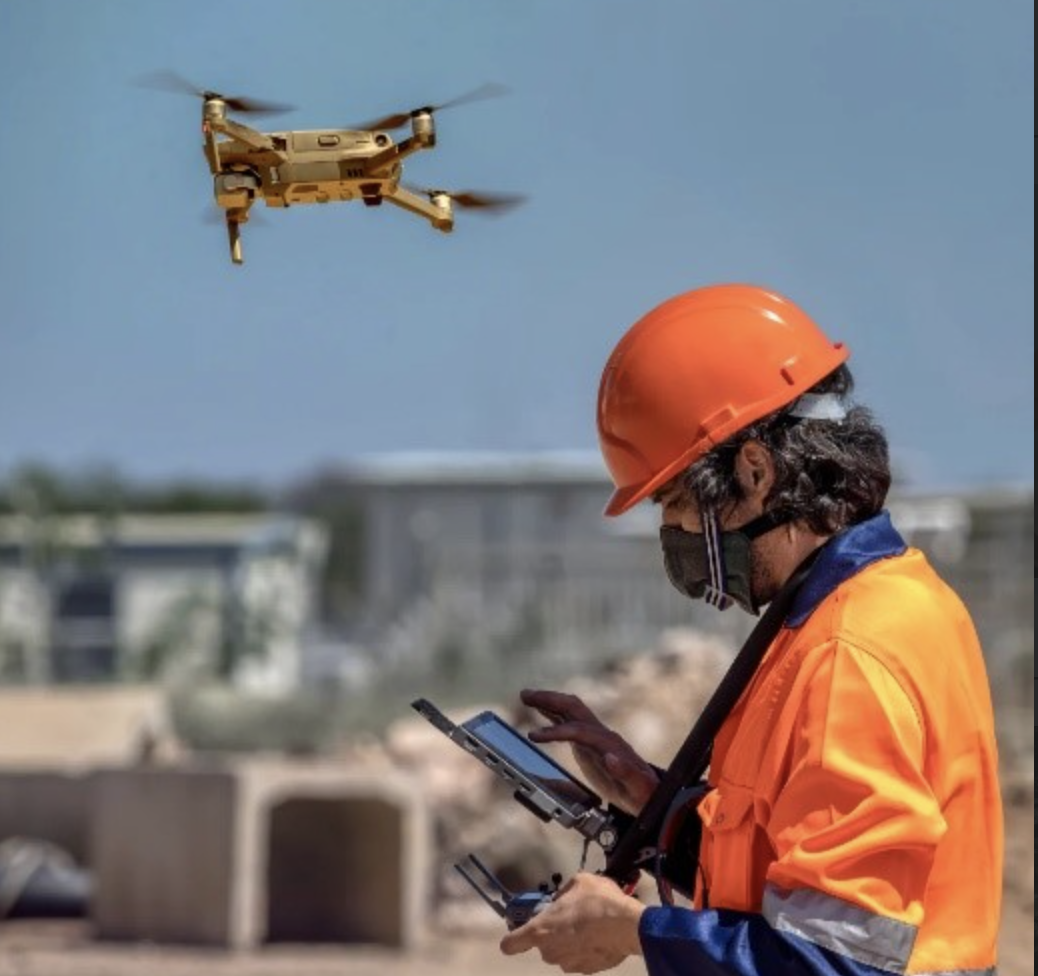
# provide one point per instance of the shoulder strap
(637, 844)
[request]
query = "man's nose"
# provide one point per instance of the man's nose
(681, 516)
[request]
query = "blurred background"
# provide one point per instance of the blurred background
(248, 513)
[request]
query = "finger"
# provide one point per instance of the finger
(567, 885)
(557, 706)
(516, 942)
(594, 737)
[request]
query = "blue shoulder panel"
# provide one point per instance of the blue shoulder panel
(842, 557)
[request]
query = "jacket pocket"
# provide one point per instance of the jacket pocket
(727, 849)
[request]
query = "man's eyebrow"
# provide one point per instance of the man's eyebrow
(662, 495)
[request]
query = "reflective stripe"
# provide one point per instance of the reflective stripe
(990, 971)
(853, 932)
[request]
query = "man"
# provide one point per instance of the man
(853, 821)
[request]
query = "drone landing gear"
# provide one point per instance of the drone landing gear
(235, 192)
(234, 221)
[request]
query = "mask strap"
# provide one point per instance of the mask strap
(715, 593)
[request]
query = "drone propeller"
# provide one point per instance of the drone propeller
(488, 90)
(476, 199)
(172, 82)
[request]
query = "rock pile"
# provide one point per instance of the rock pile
(651, 698)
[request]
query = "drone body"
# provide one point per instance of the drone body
(288, 168)
(319, 166)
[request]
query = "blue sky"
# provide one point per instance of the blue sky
(870, 160)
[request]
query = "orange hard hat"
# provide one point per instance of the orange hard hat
(696, 369)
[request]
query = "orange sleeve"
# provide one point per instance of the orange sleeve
(856, 818)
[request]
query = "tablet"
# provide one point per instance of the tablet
(540, 783)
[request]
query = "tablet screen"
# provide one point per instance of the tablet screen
(502, 739)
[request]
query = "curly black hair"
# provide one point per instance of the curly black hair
(829, 474)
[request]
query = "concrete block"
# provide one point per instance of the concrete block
(243, 854)
(49, 805)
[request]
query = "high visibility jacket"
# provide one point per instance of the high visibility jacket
(854, 824)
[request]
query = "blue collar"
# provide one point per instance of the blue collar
(842, 557)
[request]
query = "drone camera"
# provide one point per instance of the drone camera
(235, 190)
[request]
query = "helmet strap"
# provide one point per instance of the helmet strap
(764, 523)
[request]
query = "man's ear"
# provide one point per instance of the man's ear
(755, 470)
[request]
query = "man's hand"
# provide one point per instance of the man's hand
(590, 926)
(612, 768)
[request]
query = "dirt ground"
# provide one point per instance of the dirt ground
(40, 948)
(67, 949)
(51, 950)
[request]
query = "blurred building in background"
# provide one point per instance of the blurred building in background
(129, 597)
(503, 550)
(478, 570)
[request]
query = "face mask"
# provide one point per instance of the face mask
(713, 565)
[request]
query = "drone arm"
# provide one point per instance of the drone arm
(251, 138)
(438, 214)
(212, 148)
(395, 153)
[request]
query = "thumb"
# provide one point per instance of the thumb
(516, 942)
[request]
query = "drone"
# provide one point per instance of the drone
(283, 169)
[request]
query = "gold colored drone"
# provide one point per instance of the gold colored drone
(322, 165)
